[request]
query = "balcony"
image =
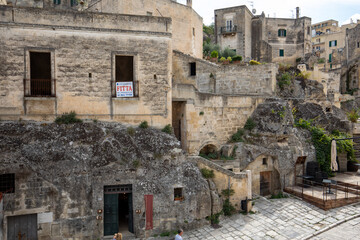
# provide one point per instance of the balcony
(39, 88)
(228, 29)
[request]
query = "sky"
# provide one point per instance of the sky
(317, 10)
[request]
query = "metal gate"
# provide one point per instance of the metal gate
(265, 183)
(23, 227)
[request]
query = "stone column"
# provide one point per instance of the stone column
(249, 190)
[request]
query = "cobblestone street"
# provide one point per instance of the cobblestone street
(346, 231)
(287, 218)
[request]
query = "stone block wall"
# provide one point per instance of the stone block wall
(83, 47)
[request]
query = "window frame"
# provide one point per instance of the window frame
(192, 69)
(281, 53)
(281, 32)
(135, 80)
(181, 197)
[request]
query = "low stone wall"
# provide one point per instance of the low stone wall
(225, 179)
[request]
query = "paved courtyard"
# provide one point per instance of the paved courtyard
(345, 231)
(287, 218)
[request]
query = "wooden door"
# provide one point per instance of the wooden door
(265, 183)
(23, 227)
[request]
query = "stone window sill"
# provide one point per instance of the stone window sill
(125, 99)
(40, 98)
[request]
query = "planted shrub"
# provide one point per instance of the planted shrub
(228, 192)
(321, 60)
(303, 75)
(237, 58)
(130, 131)
(144, 124)
(167, 129)
(68, 118)
(229, 59)
(214, 54)
(228, 208)
(228, 53)
(353, 115)
(250, 124)
(253, 62)
(285, 80)
(222, 59)
(207, 173)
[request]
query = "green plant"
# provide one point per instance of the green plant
(167, 129)
(303, 75)
(237, 137)
(136, 163)
(353, 115)
(208, 48)
(222, 59)
(224, 158)
(322, 143)
(237, 58)
(214, 54)
(321, 60)
(253, 62)
(351, 91)
(228, 208)
(207, 173)
(227, 192)
(201, 113)
(211, 75)
(130, 131)
(209, 155)
(250, 124)
(214, 218)
(144, 124)
(157, 155)
(298, 60)
(278, 196)
(285, 80)
(284, 67)
(95, 120)
(165, 234)
(229, 59)
(68, 118)
(227, 52)
(185, 221)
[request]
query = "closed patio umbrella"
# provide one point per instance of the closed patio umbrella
(334, 165)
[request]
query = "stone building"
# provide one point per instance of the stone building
(261, 38)
(329, 41)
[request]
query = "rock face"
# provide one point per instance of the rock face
(64, 169)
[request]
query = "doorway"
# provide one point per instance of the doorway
(118, 209)
(265, 183)
(22, 227)
(178, 121)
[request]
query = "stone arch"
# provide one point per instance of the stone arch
(208, 147)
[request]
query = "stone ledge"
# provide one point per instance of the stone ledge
(126, 99)
(40, 98)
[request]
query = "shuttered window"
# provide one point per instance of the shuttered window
(57, 2)
(330, 57)
(333, 43)
(281, 53)
(282, 33)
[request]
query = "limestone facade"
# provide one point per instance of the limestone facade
(82, 65)
(260, 38)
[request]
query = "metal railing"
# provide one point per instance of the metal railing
(39, 87)
(135, 89)
(230, 29)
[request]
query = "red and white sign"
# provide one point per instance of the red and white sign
(124, 89)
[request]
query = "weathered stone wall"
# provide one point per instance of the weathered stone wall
(225, 79)
(83, 44)
(353, 41)
(248, 80)
(297, 41)
(61, 170)
(186, 23)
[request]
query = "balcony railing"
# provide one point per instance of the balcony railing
(39, 87)
(231, 29)
(135, 89)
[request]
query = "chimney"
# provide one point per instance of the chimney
(189, 3)
(297, 12)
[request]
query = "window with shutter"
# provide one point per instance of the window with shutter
(330, 57)
(57, 2)
(282, 33)
(281, 53)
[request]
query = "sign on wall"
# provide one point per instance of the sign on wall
(124, 89)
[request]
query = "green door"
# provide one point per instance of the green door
(111, 214)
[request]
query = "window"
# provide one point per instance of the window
(193, 31)
(264, 161)
(358, 44)
(124, 77)
(7, 183)
(282, 33)
(330, 57)
(333, 43)
(193, 69)
(228, 25)
(57, 2)
(40, 74)
(178, 194)
(73, 3)
(149, 13)
(308, 30)
(281, 53)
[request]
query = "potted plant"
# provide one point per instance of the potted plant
(224, 61)
(214, 56)
(237, 59)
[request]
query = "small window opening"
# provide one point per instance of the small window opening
(155, 77)
(193, 69)
(57, 2)
(90, 75)
(281, 53)
(327, 109)
(149, 13)
(308, 30)
(358, 44)
(282, 33)
(193, 31)
(264, 161)
(7, 183)
(178, 194)
(230, 169)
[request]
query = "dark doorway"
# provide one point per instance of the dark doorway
(40, 74)
(265, 183)
(124, 68)
(22, 227)
(118, 210)
(178, 121)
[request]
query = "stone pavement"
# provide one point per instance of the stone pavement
(345, 231)
(287, 218)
